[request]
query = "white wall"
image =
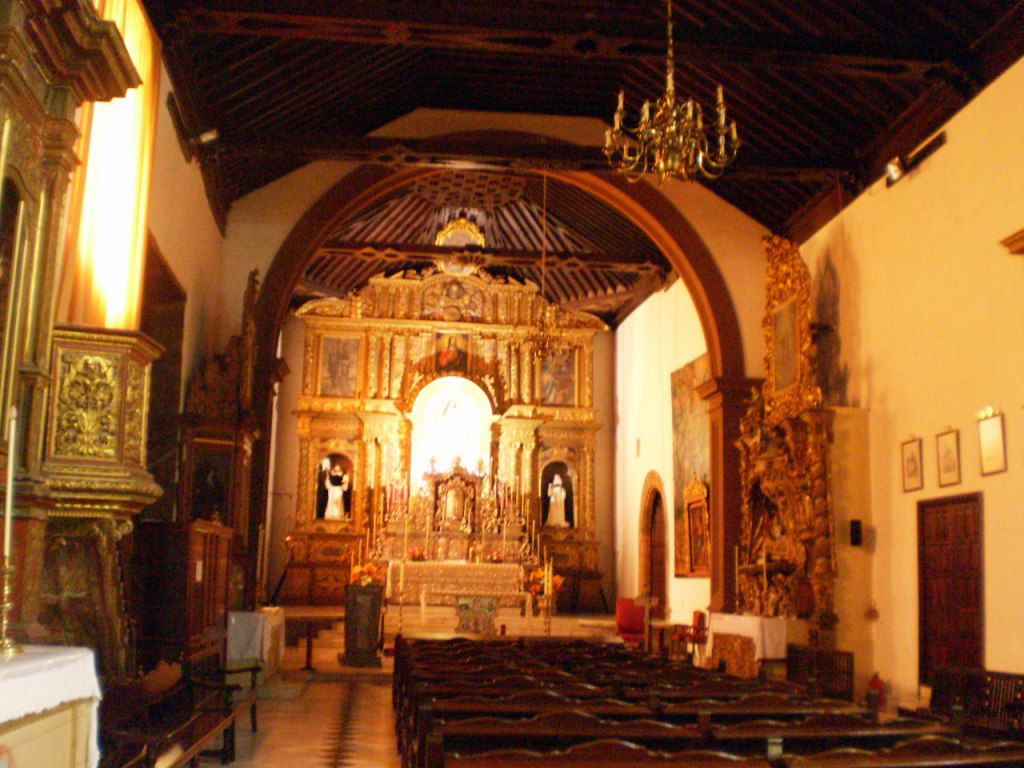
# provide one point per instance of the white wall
(932, 327)
(662, 335)
(285, 482)
(186, 234)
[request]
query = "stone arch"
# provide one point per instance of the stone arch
(646, 208)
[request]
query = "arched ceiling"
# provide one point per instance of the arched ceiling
(594, 260)
(824, 92)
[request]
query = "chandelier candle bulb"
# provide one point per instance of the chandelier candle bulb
(12, 441)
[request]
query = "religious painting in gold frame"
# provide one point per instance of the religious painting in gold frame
(558, 378)
(341, 365)
(789, 387)
(696, 529)
(451, 353)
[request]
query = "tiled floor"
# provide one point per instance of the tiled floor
(333, 718)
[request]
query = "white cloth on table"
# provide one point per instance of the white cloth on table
(257, 635)
(768, 634)
(43, 677)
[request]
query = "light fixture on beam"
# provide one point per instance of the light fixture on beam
(671, 140)
(899, 166)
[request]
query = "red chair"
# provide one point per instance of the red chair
(696, 634)
(629, 620)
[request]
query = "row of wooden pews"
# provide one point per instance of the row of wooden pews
(577, 704)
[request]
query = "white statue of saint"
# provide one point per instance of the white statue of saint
(556, 504)
(336, 483)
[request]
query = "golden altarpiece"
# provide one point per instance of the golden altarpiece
(373, 480)
(786, 560)
(81, 397)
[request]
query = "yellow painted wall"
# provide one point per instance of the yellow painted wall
(932, 328)
(187, 235)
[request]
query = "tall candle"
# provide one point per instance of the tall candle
(12, 441)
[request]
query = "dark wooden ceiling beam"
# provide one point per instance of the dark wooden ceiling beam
(884, 59)
(387, 253)
(491, 154)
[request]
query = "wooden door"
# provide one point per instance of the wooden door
(653, 555)
(950, 584)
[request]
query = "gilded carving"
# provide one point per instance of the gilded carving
(86, 423)
(786, 556)
(134, 416)
(789, 386)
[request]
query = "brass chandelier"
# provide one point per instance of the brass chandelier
(673, 140)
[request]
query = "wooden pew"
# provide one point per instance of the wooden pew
(923, 752)
(607, 753)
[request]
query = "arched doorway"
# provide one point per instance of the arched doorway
(654, 545)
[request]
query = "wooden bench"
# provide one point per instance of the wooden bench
(980, 702)
(605, 753)
(175, 720)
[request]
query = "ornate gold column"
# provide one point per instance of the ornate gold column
(54, 55)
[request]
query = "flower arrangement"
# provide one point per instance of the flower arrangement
(367, 574)
(537, 578)
(417, 554)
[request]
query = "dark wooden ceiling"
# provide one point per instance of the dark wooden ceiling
(824, 91)
(581, 252)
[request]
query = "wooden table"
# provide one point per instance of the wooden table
(313, 617)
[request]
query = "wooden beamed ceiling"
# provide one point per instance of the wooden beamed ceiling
(824, 91)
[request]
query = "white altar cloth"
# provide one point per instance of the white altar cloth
(768, 634)
(257, 636)
(43, 677)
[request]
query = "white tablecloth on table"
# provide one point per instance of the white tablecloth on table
(43, 677)
(257, 636)
(768, 634)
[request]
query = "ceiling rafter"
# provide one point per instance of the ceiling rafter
(855, 59)
(488, 154)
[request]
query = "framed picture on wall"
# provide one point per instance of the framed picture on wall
(947, 456)
(785, 346)
(992, 439)
(913, 472)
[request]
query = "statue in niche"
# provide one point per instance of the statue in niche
(557, 497)
(334, 488)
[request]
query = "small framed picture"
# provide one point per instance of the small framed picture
(947, 453)
(913, 474)
(992, 438)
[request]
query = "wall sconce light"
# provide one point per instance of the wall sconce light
(899, 166)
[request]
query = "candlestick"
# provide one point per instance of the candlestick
(401, 579)
(12, 441)
(405, 536)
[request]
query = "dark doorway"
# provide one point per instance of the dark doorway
(163, 320)
(949, 564)
(653, 555)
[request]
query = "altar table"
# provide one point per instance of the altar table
(48, 701)
(439, 582)
(768, 634)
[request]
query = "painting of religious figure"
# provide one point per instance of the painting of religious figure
(558, 378)
(557, 508)
(697, 525)
(211, 481)
(452, 352)
(339, 366)
(785, 346)
(334, 481)
(691, 449)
